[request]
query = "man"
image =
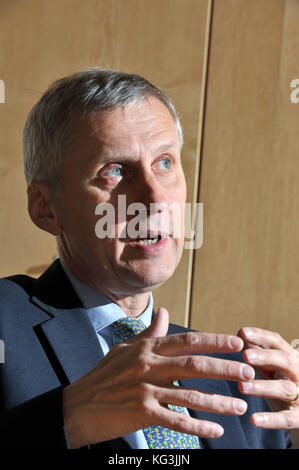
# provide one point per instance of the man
(70, 379)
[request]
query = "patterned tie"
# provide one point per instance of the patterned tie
(157, 437)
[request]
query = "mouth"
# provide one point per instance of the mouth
(148, 241)
(152, 243)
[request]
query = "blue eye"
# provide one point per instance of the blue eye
(113, 172)
(116, 171)
(166, 163)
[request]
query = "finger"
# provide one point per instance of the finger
(196, 400)
(158, 327)
(264, 338)
(194, 342)
(284, 390)
(284, 362)
(186, 424)
(185, 367)
(287, 419)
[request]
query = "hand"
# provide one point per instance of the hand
(277, 364)
(131, 387)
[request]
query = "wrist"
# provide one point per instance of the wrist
(73, 422)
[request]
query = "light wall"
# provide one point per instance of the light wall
(247, 272)
(228, 65)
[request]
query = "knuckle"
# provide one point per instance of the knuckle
(222, 406)
(293, 357)
(226, 369)
(193, 363)
(219, 341)
(145, 389)
(290, 421)
(179, 420)
(142, 345)
(191, 339)
(202, 429)
(119, 346)
(145, 397)
(142, 365)
(277, 337)
(193, 398)
(146, 407)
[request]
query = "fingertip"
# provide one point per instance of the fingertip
(247, 372)
(241, 333)
(163, 316)
(218, 431)
(257, 420)
(159, 326)
(163, 311)
(240, 387)
(236, 343)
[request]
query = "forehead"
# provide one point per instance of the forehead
(146, 122)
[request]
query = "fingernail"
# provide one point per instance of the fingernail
(251, 355)
(217, 430)
(247, 386)
(247, 372)
(235, 343)
(240, 407)
(249, 332)
(259, 419)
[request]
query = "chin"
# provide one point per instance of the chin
(148, 281)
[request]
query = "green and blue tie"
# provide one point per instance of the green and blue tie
(157, 437)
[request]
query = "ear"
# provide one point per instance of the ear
(41, 207)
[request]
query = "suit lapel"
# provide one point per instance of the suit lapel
(67, 337)
(54, 290)
(73, 341)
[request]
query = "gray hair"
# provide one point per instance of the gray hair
(46, 139)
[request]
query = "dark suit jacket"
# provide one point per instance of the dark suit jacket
(49, 343)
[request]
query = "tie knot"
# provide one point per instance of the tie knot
(127, 327)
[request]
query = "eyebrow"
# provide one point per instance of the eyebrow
(163, 148)
(106, 156)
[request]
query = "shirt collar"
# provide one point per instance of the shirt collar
(101, 310)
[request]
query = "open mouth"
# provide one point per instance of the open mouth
(152, 244)
(148, 241)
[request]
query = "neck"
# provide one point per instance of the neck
(132, 305)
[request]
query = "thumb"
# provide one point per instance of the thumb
(158, 328)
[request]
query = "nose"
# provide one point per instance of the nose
(153, 197)
(149, 190)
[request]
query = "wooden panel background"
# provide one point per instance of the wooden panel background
(247, 271)
(42, 40)
(228, 71)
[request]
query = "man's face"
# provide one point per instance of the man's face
(132, 151)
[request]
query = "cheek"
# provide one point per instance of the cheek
(178, 192)
(183, 189)
(177, 211)
(78, 217)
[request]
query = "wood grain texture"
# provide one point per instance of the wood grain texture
(43, 40)
(247, 271)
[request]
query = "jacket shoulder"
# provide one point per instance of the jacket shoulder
(20, 280)
(17, 286)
